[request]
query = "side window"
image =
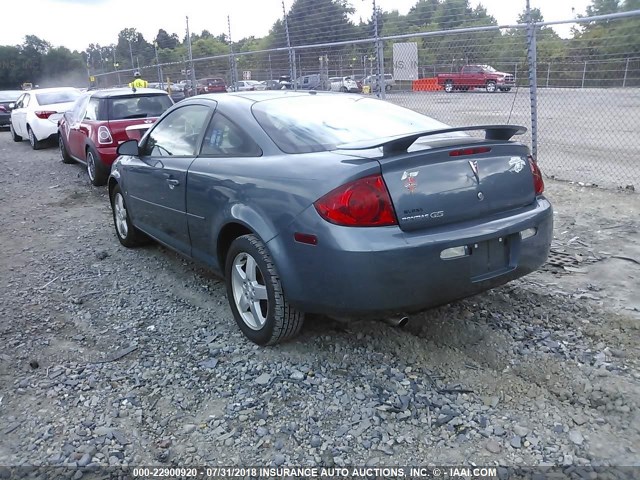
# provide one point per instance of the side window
(177, 134)
(224, 138)
(92, 109)
(19, 101)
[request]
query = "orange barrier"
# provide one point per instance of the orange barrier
(426, 85)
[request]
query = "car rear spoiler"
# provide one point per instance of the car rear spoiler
(401, 143)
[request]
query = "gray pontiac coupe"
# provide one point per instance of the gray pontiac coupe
(335, 204)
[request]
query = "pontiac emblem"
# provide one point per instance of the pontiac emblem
(410, 182)
(516, 164)
(474, 168)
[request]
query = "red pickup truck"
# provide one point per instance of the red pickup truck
(476, 76)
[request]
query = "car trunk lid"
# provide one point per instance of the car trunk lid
(455, 179)
(132, 129)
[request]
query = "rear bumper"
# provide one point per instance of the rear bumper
(5, 119)
(108, 155)
(368, 271)
(44, 129)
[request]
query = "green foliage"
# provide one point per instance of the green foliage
(313, 22)
(37, 62)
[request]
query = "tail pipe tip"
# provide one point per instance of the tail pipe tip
(397, 321)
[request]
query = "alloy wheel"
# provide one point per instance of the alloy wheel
(120, 212)
(249, 291)
(91, 166)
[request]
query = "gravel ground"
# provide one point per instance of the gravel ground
(123, 357)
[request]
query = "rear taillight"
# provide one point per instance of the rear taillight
(104, 135)
(44, 114)
(538, 182)
(362, 203)
(469, 151)
(2, 109)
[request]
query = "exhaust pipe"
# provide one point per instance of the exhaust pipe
(398, 321)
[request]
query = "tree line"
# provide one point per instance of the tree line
(313, 22)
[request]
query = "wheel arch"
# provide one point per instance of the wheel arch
(111, 184)
(227, 235)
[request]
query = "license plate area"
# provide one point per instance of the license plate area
(490, 258)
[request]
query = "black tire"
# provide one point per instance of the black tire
(128, 235)
(33, 141)
(448, 86)
(491, 86)
(14, 136)
(343, 89)
(97, 171)
(64, 154)
(278, 320)
(506, 89)
(387, 88)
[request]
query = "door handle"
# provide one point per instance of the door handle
(173, 183)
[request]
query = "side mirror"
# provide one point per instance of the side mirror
(130, 148)
(12, 106)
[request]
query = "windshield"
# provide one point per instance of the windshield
(61, 96)
(489, 68)
(321, 122)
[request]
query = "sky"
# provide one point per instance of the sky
(77, 23)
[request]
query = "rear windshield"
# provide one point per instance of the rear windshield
(9, 96)
(138, 106)
(318, 123)
(62, 96)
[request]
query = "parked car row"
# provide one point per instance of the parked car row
(301, 210)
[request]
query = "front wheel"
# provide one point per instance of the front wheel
(128, 235)
(491, 87)
(64, 154)
(448, 86)
(255, 294)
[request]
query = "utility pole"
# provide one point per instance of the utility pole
(380, 87)
(155, 47)
(116, 65)
(292, 54)
(131, 53)
(533, 80)
(232, 58)
(194, 85)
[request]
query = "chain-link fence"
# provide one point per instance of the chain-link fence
(579, 97)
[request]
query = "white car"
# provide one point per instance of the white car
(248, 85)
(389, 82)
(34, 115)
(343, 84)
